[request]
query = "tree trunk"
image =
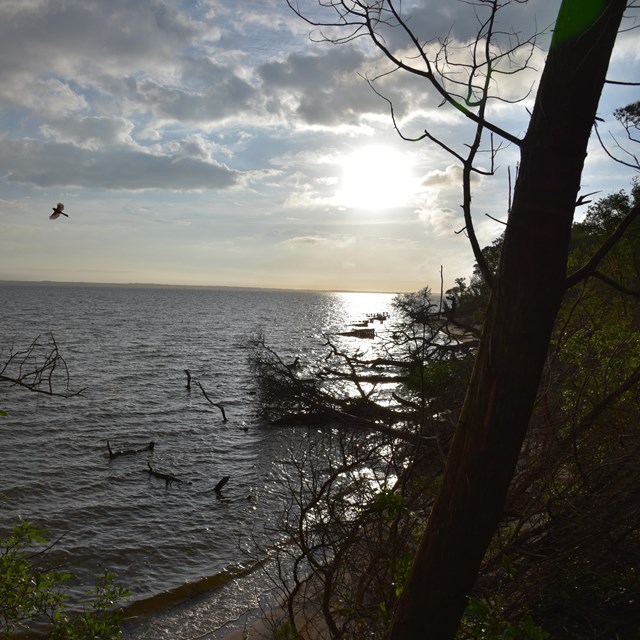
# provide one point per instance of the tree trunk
(527, 293)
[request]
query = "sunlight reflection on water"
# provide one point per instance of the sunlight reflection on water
(129, 347)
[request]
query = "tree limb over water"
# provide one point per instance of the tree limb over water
(39, 368)
(400, 391)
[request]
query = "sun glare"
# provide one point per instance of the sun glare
(376, 178)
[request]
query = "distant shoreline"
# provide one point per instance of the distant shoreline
(152, 285)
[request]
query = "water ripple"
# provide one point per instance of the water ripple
(129, 347)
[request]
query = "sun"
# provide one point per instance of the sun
(375, 178)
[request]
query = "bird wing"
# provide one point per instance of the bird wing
(57, 210)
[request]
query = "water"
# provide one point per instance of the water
(128, 348)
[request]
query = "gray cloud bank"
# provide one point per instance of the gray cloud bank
(111, 94)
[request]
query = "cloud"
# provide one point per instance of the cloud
(92, 132)
(51, 97)
(434, 20)
(144, 55)
(322, 89)
(226, 95)
(63, 164)
(441, 189)
(337, 241)
(219, 120)
(306, 240)
(78, 37)
(451, 177)
(440, 221)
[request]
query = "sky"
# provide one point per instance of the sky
(223, 143)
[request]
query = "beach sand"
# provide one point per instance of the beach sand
(262, 627)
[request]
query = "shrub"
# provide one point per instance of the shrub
(32, 596)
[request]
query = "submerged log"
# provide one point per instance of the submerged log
(167, 477)
(128, 452)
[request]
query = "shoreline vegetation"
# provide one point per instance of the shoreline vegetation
(358, 492)
(474, 485)
(576, 473)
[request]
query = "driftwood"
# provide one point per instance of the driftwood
(167, 477)
(218, 487)
(359, 333)
(128, 452)
(215, 404)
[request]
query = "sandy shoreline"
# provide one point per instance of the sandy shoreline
(257, 630)
(244, 608)
(262, 625)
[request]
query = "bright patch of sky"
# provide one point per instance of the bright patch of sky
(212, 142)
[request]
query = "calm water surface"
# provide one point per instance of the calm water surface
(128, 347)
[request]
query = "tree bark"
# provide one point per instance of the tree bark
(526, 296)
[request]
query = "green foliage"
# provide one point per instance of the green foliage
(400, 573)
(572, 605)
(598, 339)
(483, 621)
(438, 378)
(628, 116)
(390, 503)
(31, 595)
(393, 505)
(471, 300)
(100, 621)
(563, 564)
(603, 216)
(286, 631)
(25, 593)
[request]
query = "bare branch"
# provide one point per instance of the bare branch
(495, 219)
(589, 269)
(210, 401)
(632, 165)
(362, 18)
(38, 368)
(626, 84)
(615, 285)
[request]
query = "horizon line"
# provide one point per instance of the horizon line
(188, 286)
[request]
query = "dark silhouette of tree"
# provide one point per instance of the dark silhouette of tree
(531, 278)
(561, 561)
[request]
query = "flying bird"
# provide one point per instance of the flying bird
(58, 210)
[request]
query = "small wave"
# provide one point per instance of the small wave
(187, 591)
(129, 348)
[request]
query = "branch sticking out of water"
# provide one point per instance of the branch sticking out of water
(215, 404)
(218, 487)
